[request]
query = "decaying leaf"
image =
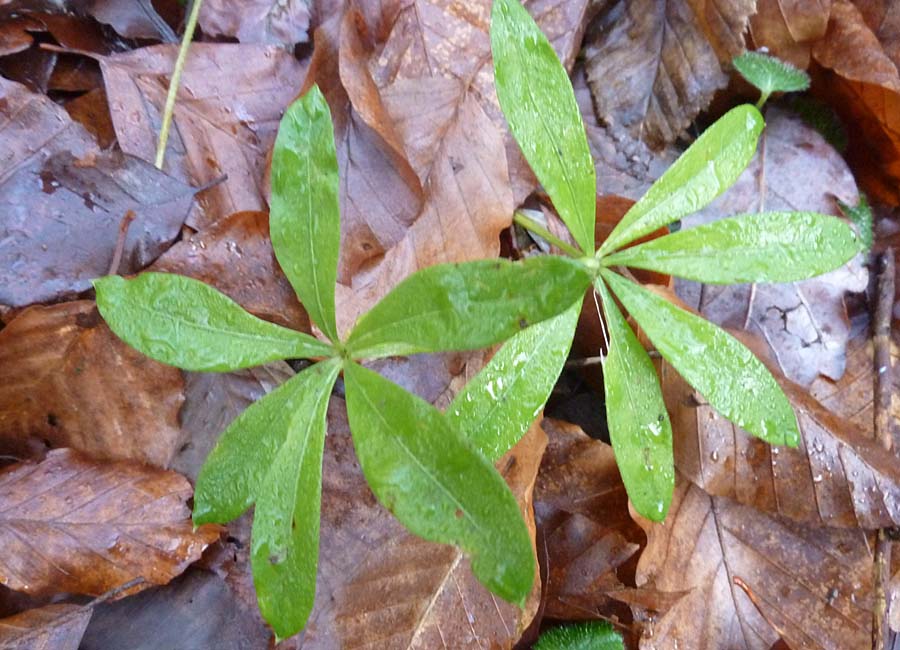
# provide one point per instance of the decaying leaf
(269, 22)
(789, 28)
(805, 323)
(652, 66)
(754, 578)
(54, 627)
(235, 256)
(136, 19)
(582, 509)
(196, 611)
(226, 115)
(837, 476)
(68, 381)
(72, 525)
(55, 241)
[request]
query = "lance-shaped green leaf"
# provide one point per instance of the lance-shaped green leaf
(188, 324)
(468, 306)
(708, 167)
(767, 247)
(498, 405)
(720, 367)
(304, 217)
(230, 479)
(537, 99)
(423, 470)
(639, 426)
(861, 216)
(591, 635)
(770, 74)
(285, 538)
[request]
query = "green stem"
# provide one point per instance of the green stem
(763, 98)
(175, 81)
(531, 225)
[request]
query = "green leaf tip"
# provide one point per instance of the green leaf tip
(304, 217)
(539, 104)
(423, 470)
(592, 635)
(861, 216)
(185, 323)
(770, 74)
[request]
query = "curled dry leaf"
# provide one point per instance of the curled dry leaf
(582, 509)
(55, 241)
(269, 22)
(54, 627)
(136, 19)
(837, 476)
(810, 586)
(653, 66)
(226, 115)
(69, 381)
(72, 525)
(235, 256)
(805, 324)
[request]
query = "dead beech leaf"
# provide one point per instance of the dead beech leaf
(33, 128)
(55, 241)
(196, 611)
(805, 324)
(582, 509)
(135, 19)
(69, 381)
(789, 28)
(73, 525)
(269, 22)
(235, 256)
(839, 475)
(54, 627)
(229, 104)
(813, 586)
(861, 81)
(652, 66)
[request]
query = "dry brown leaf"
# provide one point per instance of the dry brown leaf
(789, 28)
(235, 256)
(229, 104)
(55, 241)
(135, 19)
(652, 66)
(813, 586)
(91, 110)
(73, 525)
(54, 627)
(196, 611)
(582, 510)
(68, 381)
(838, 476)
(269, 22)
(805, 324)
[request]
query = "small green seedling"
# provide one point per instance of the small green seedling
(433, 471)
(770, 74)
(593, 635)
(539, 104)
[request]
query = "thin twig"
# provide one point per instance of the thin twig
(760, 208)
(120, 242)
(884, 379)
(175, 81)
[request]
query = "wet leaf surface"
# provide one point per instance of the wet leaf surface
(54, 627)
(62, 222)
(805, 323)
(74, 525)
(269, 22)
(70, 382)
(812, 586)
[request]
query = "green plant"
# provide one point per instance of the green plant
(593, 635)
(434, 470)
(539, 104)
(770, 74)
